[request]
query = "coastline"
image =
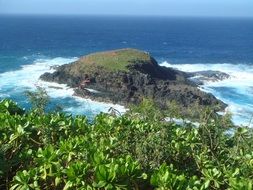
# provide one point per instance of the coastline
(56, 88)
(65, 97)
(234, 91)
(127, 76)
(237, 120)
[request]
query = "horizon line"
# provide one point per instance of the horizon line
(127, 15)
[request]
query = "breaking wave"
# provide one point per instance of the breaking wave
(236, 91)
(13, 84)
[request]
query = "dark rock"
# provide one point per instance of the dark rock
(140, 79)
(201, 77)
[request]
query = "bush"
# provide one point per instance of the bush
(39, 99)
(58, 151)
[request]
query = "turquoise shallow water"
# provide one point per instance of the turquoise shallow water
(29, 46)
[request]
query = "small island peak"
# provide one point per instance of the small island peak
(126, 76)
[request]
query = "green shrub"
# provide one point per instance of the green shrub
(58, 151)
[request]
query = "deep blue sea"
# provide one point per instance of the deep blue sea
(30, 45)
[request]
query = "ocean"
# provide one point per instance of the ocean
(31, 45)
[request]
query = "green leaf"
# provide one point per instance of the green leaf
(57, 181)
(68, 185)
(207, 183)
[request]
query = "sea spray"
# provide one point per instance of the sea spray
(236, 91)
(13, 84)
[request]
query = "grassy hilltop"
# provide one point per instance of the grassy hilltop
(115, 60)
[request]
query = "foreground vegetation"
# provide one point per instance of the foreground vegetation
(135, 151)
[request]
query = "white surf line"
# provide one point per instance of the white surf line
(241, 77)
(27, 78)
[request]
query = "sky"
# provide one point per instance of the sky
(196, 8)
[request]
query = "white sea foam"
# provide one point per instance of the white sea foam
(240, 99)
(27, 78)
(28, 75)
(92, 90)
(3, 95)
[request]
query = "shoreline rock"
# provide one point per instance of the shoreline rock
(201, 77)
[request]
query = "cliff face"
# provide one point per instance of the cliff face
(126, 76)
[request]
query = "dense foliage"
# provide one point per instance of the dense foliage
(135, 151)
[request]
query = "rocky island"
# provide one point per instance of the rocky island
(126, 76)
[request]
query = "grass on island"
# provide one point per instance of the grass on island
(114, 60)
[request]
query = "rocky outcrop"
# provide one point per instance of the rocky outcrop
(130, 84)
(201, 77)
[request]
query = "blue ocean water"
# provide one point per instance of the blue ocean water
(30, 45)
